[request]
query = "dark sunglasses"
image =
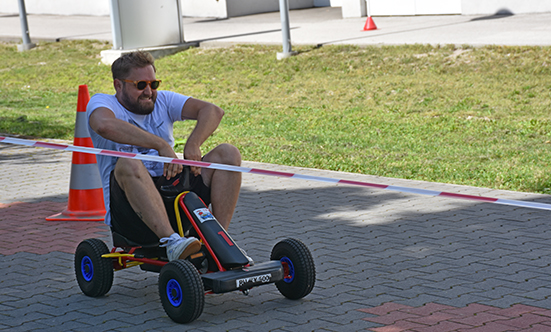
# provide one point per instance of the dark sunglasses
(140, 85)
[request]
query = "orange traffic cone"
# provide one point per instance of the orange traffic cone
(85, 188)
(369, 24)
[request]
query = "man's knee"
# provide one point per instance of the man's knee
(233, 154)
(129, 169)
(225, 154)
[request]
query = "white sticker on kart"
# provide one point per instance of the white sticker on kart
(203, 215)
(265, 278)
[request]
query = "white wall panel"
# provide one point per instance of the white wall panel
(434, 7)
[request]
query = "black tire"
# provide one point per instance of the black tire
(299, 268)
(181, 291)
(94, 273)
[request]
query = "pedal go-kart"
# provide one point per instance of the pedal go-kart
(219, 267)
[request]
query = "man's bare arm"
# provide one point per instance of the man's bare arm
(208, 118)
(105, 124)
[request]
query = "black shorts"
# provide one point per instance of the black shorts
(127, 223)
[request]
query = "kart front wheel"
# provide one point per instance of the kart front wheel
(94, 273)
(181, 291)
(298, 267)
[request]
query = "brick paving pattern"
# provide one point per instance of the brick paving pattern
(472, 318)
(24, 229)
(431, 262)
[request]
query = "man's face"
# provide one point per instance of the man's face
(134, 100)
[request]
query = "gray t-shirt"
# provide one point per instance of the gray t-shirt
(168, 109)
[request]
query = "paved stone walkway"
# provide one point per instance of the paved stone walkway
(472, 318)
(385, 261)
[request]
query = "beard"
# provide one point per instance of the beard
(143, 105)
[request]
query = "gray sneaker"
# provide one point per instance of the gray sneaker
(178, 247)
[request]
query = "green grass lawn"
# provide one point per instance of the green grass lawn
(474, 116)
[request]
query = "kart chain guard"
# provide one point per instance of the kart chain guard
(215, 238)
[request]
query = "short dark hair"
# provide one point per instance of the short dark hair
(122, 66)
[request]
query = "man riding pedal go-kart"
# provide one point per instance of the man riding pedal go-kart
(153, 206)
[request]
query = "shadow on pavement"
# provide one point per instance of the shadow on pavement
(502, 13)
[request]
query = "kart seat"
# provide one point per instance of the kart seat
(123, 242)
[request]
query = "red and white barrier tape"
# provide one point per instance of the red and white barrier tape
(72, 148)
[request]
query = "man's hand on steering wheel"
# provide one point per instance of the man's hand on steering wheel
(193, 152)
(170, 170)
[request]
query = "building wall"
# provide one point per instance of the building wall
(474, 7)
(58, 7)
(327, 3)
(214, 8)
(414, 7)
(247, 7)
(233, 8)
(465, 7)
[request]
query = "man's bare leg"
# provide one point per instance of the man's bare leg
(135, 181)
(224, 185)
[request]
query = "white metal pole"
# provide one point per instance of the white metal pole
(27, 45)
(116, 25)
(285, 30)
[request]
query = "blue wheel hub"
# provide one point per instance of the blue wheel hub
(289, 270)
(87, 268)
(174, 292)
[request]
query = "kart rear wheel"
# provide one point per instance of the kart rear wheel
(94, 273)
(181, 291)
(298, 266)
